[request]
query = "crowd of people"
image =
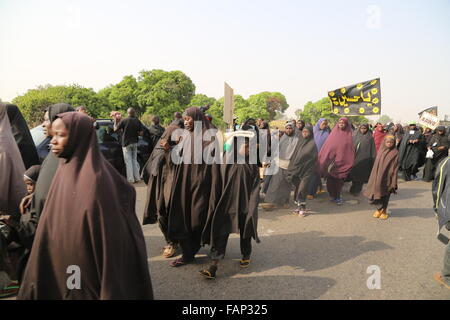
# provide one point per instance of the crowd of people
(75, 209)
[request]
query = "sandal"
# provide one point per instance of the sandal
(244, 263)
(296, 212)
(179, 262)
(438, 278)
(209, 273)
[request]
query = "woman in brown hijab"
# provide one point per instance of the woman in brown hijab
(89, 244)
(383, 178)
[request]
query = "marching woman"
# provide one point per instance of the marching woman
(236, 211)
(379, 135)
(88, 224)
(365, 154)
(302, 168)
(336, 159)
(383, 178)
(159, 169)
(321, 133)
(196, 183)
(438, 145)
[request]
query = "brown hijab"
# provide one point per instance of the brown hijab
(383, 177)
(12, 188)
(89, 221)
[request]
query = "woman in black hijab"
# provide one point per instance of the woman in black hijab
(159, 173)
(410, 152)
(439, 145)
(302, 167)
(237, 209)
(89, 224)
(22, 136)
(365, 154)
(196, 184)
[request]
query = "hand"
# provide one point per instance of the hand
(25, 203)
(6, 219)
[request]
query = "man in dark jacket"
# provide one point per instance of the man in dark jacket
(132, 129)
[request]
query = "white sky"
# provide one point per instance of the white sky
(299, 48)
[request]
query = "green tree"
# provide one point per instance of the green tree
(121, 96)
(268, 104)
(162, 93)
(200, 100)
(34, 102)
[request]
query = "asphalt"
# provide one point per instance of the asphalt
(325, 255)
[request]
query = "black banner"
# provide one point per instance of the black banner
(362, 99)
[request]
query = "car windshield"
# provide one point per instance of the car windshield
(37, 133)
(105, 132)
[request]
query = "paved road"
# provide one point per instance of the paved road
(322, 256)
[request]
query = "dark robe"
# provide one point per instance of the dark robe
(303, 163)
(159, 170)
(12, 187)
(435, 142)
(156, 131)
(279, 189)
(239, 196)
(410, 154)
(365, 154)
(22, 136)
(383, 178)
(195, 186)
(48, 167)
(441, 193)
(89, 221)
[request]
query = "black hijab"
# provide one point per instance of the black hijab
(22, 136)
(303, 161)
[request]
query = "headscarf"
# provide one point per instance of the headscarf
(12, 188)
(337, 155)
(22, 136)
(32, 173)
(320, 136)
(383, 177)
(304, 159)
(378, 136)
(288, 143)
(100, 234)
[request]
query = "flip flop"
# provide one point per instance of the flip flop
(209, 273)
(179, 262)
(10, 290)
(438, 278)
(244, 263)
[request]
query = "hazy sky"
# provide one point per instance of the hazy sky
(299, 48)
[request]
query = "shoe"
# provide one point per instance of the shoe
(169, 251)
(310, 197)
(268, 206)
(377, 214)
(179, 262)
(209, 273)
(302, 213)
(438, 277)
(339, 201)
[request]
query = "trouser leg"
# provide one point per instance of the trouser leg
(217, 252)
(128, 158)
(135, 163)
(245, 243)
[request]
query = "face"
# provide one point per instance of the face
(324, 125)
(412, 127)
(341, 124)
(60, 136)
(441, 132)
(363, 130)
(390, 143)
(305, 133)
(47, 125)
(30, 185)
(188, 123)
(289, 131)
